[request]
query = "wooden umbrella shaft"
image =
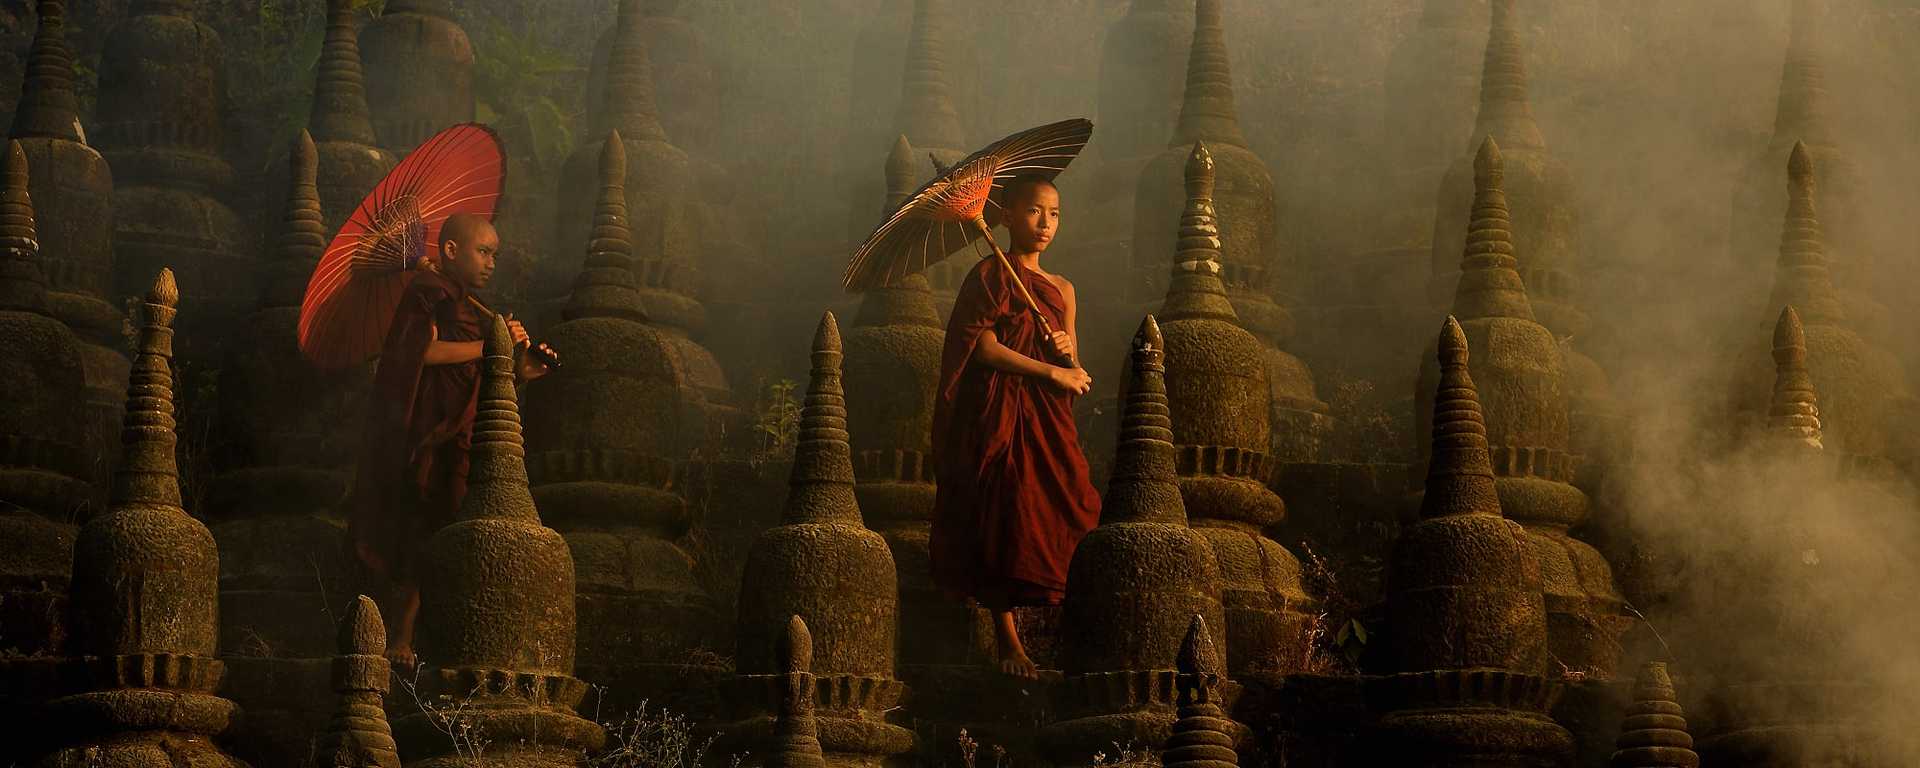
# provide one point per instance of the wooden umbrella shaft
(1045, 326)
(545, 356)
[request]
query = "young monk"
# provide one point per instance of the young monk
(413, 466)
(1014, 495)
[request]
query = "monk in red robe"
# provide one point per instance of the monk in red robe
(1014, 494)
(413, 466)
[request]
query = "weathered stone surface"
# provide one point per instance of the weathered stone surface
(1522, 383)
(358, 736)
(1203, 736)
(1134, 585)
(351, 160)
(497, 609)
(425, 63)
(823, 565)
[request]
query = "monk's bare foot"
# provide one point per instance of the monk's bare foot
(1018, 665)
(402, 658)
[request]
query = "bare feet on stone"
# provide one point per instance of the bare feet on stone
(1013, 655)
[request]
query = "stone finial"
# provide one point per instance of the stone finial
(48, 107)
(497, 479)
(1142, 488)
(900, 174)
(1800, 113)
(1207, 111)
(340, 95)
(1490, 284)
(1460, 474)
(605, 286)
(1196, 290)
(1654, 732)
(1505, 110)
(629, 104)
(1801, 276)
(358, 735)
(23, 286)
(1794, 415)
(926, 114)
(148, 475)
(1201, 737)
(821, 487)
(796, 734)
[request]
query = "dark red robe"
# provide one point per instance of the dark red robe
(1014, 494)
(413, 464)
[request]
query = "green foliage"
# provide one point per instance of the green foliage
(776, 419)
(272, 60)
(529, 90)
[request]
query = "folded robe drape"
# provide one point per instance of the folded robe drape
(1014, 496)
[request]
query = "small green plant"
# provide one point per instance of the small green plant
(656, 739)
(776, 420)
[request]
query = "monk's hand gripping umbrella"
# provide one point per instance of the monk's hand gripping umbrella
(949, 212)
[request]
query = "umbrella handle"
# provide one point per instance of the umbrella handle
(1045, 327)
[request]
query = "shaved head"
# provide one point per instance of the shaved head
(462, 228)
(468, 245)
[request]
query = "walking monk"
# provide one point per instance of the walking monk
(413, 465)
(1014, 495)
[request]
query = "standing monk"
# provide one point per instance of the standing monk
(413, 465)
(1014, 495)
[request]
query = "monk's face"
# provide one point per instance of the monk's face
(1033, 217)
(470, 260)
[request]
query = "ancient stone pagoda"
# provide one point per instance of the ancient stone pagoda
(1860, 385)
(284, 443)
(607, 431)
(796, 732)
(666, 247)
(1217, 386)
(1135, 583)
(72, 190)
(357, 736)
(893, 371)
(1654, 731)
(160, 122)
(497, 612)
(823, 565)
(141, 681)
(1469, 628)
(1524, 387)
(1801, 117)
(43, 433)
(351, 160)
(1545, 231)
(1203, 736)
(425, 63)
(685, 79)
(1249, 250)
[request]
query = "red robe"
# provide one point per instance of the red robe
(1014, 494)
(413, 464)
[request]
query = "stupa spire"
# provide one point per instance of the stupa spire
(340, 95)
(1142, 488)
(909, 299)
(821, 487)
(149, 476)
(1460, 474)
(901, 171)
(605, 286)
(1207, 111)
(1801, 276)
(1794, 415)
(48, 107)
(497, 480)
(926, 114)
(1800, 114)
(1490, 284)
(1196, 290)
(796, 732)
(1654, 732)
(1506, 111)
(629, 103)
(303, 229)
(1202, 737)
(23, 287)
(358, 735)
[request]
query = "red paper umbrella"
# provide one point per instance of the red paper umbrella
(356, 287)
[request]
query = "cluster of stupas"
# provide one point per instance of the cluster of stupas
(1268, 585)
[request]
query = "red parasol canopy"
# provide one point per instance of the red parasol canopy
(352, 295)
